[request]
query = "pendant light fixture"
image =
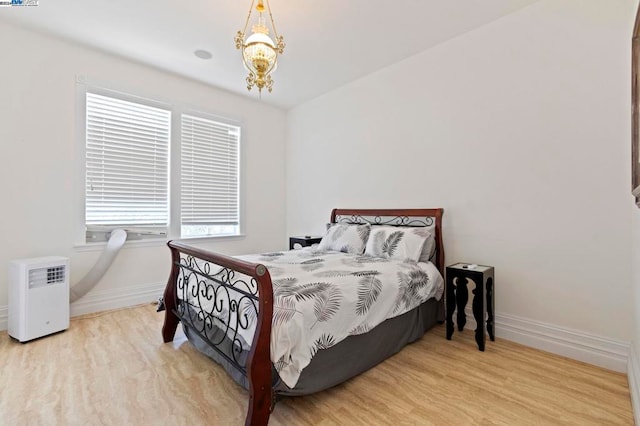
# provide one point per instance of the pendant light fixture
(259, 50)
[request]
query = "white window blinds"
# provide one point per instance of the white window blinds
(127, 163)
(209, 177)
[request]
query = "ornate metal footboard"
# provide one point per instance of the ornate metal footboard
(217, 297)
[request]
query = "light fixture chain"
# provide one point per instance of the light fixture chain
(273, 24)
(246, 23)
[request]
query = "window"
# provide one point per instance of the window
(132, 181)
(209, 177)
(127, 163)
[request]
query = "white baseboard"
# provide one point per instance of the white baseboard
(603, 352)
(97, 301)
(633, 375)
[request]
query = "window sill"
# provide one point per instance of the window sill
(156, 242)
(209, 239)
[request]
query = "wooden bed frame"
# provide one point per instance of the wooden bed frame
(259, 291)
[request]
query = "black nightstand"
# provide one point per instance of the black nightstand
(458, 295)
(305, 241)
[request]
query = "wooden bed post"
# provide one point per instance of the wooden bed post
(440, 260)
(259, 360)
(170, 319)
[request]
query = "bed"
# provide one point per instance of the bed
(298, 322)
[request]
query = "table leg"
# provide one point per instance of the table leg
(479, 313)
(451, 305)
(490, 321)
(462, 297)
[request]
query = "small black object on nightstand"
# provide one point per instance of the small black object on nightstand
(457, 296)
(306, 241)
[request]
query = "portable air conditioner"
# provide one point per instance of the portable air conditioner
(38, 297)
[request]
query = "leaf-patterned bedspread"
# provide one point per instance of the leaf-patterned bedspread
(322, 297)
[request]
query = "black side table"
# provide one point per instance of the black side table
(305, 241)
(458, 295)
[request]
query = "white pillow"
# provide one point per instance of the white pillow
(429, 248)
(392, 242)
(346, 238)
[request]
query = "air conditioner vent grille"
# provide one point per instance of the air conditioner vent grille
(46, 276)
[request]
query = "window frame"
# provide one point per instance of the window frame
(222, 120)
(173, 230)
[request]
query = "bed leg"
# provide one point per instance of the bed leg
(170, 325)
(259, 407)
(171, 320)
(259, 367)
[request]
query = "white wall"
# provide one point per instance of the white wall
(520, 130)
(38, 154)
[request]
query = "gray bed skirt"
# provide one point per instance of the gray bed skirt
(348, 358)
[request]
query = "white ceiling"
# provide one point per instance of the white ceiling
(329, 42)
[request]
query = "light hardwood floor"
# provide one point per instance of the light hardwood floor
(113, 369)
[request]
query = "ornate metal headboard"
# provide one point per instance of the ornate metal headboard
(397, 217)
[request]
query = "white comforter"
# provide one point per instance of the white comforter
(322, 297)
